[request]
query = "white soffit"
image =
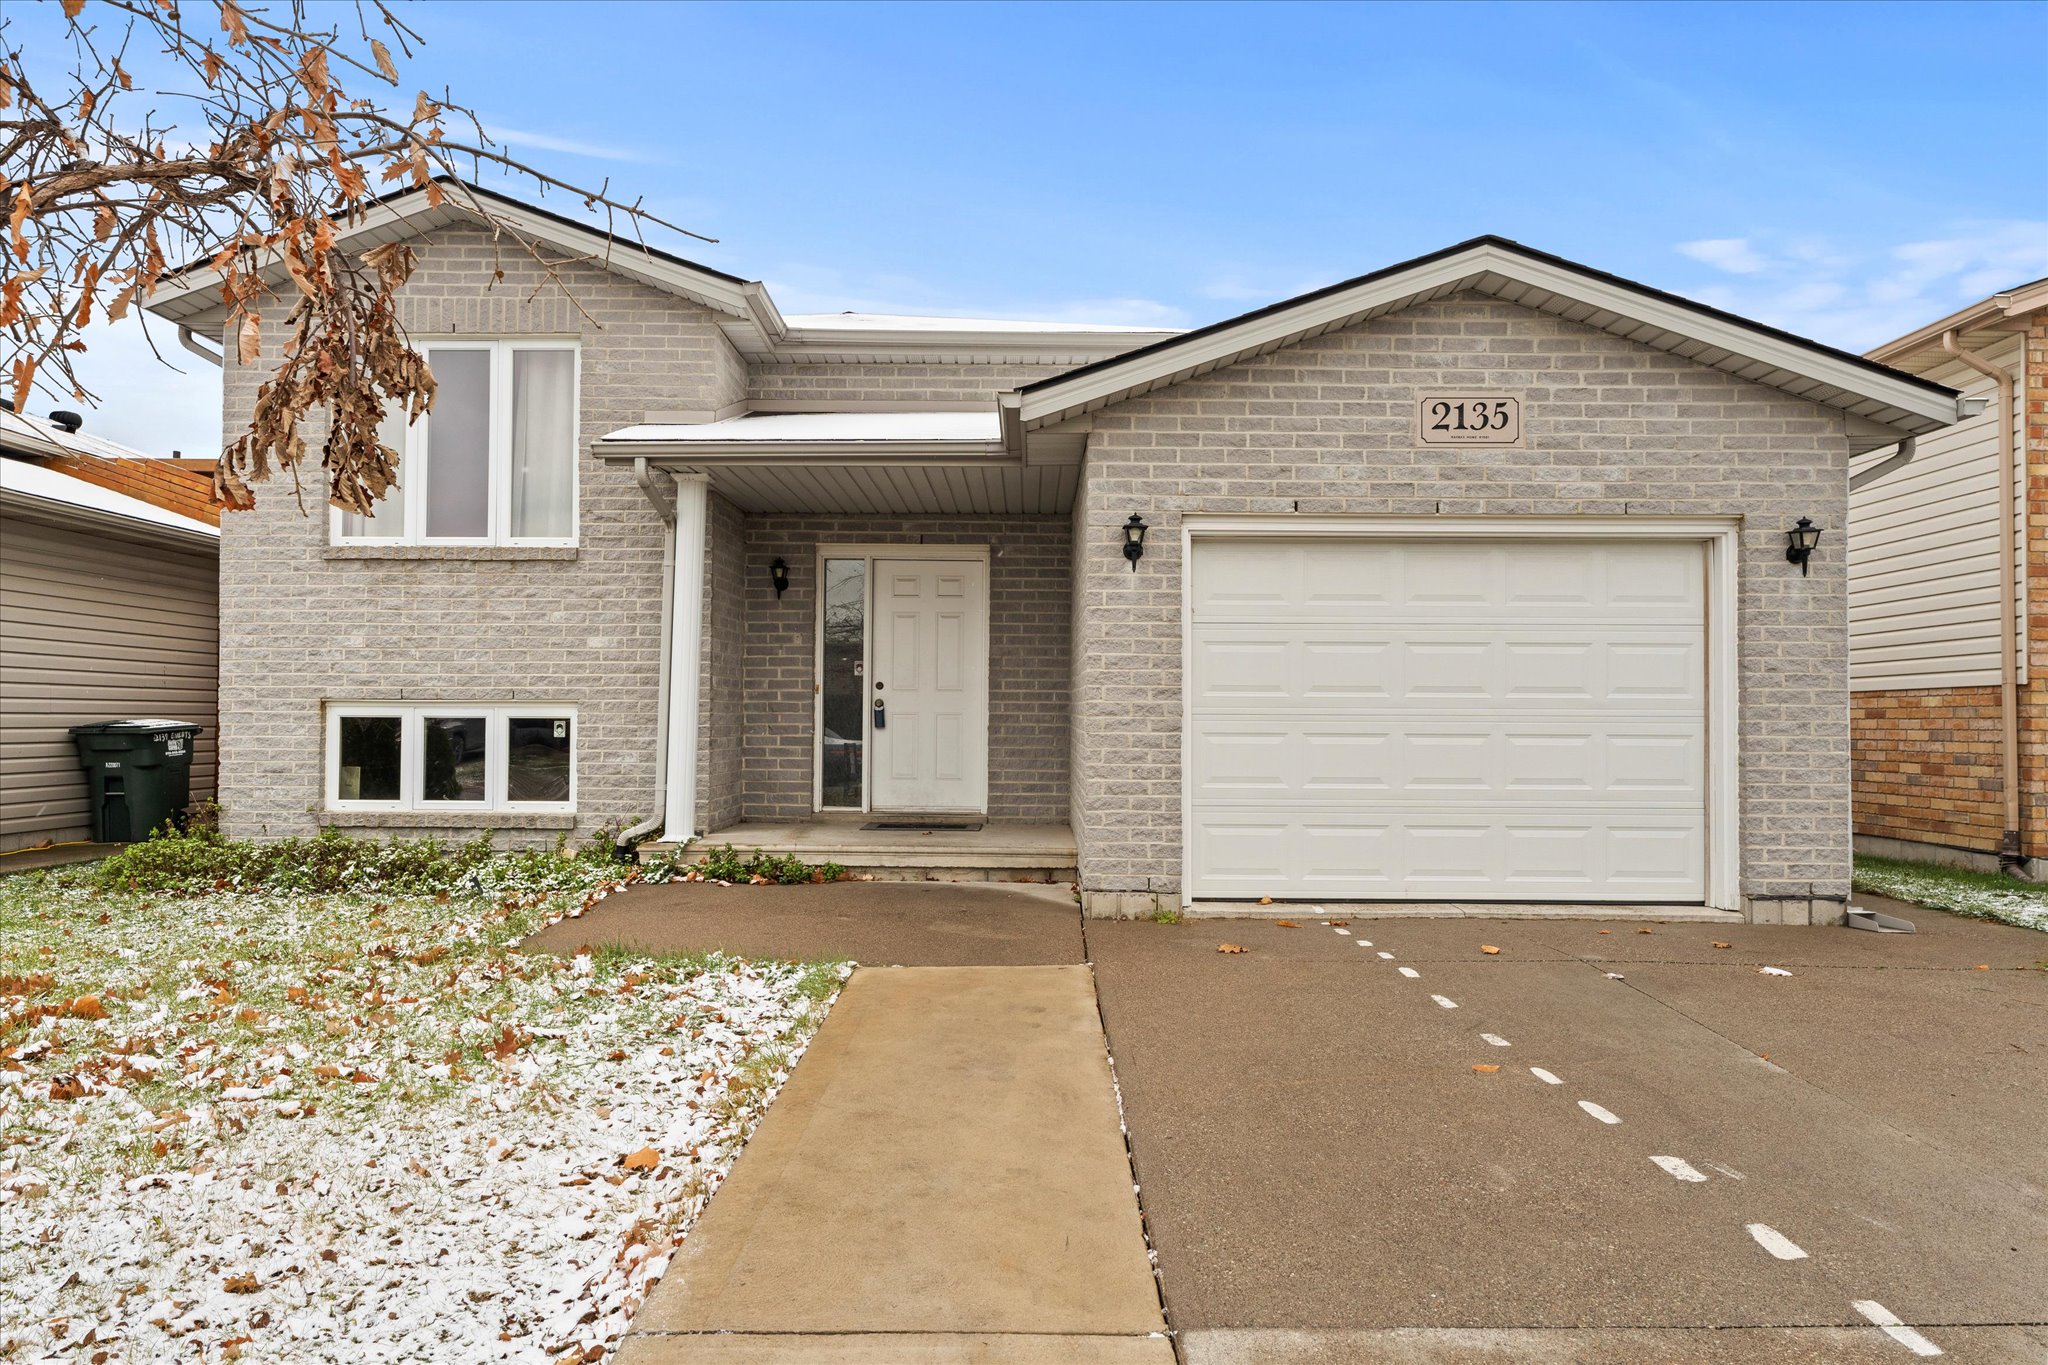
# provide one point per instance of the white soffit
(949, 489)
(1515, 274)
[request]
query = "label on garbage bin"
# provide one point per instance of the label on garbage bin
(174, 745)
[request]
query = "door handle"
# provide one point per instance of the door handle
(881, 715)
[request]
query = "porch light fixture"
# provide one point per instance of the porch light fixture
(1799, 543)
(1134, 540)
(778, 574)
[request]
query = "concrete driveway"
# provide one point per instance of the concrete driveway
(1326, 1176)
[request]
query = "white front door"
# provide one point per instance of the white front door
(928, 700)
(1384, 719)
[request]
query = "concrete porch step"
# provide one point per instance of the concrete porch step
(998, 851)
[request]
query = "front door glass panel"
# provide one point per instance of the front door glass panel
(843, 745)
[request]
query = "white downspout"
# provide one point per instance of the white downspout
(2010, 848)
(643, 475)
(693, 506)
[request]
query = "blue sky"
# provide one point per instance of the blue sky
(1846, 171)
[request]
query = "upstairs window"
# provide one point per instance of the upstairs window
(494, 463)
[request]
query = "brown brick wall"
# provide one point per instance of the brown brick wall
(2034, 696)
(1926, 766)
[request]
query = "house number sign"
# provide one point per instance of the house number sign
(1469, 419)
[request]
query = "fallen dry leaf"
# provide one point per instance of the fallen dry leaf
(242, 1283)
(1981, 967)
(1338, 923)
(1489, 950)
(1265, 900)
(1286, 924)
(1231, 948)
(646, 1159)
(1485, 1068)
(1646, 930)
(1719, 944)
(1606, 931)
(88, 1007)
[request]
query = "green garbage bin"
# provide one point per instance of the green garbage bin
(140, 774)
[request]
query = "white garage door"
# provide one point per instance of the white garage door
(1385, 719)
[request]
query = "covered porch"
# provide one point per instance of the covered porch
(869, 620)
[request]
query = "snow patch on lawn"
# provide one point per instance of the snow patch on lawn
(330, 1129)
(1938, 888)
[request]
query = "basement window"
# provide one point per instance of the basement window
(494, 463)
(452, 756)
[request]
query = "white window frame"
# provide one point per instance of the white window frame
(413, 718)
(415, 471)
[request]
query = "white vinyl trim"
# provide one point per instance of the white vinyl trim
(1719, 536)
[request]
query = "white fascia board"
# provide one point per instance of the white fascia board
(199, 290)
(769, 454)
(1219, 348)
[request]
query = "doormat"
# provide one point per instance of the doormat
(929, 826)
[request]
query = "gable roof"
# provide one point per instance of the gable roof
(1901, 403)
(746, 312)
(1981, 324)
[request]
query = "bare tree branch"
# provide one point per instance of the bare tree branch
(101, 190)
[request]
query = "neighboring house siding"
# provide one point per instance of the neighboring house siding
(1028, 655)
(1326, 427)
(95, 627)
(1923, 555)
(1928, 767)
(304, 624)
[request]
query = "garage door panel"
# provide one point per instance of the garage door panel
(1453, 855)
(1618, 766)
(1459, 721)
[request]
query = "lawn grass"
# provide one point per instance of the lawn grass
(360, 1125)
(1979, 895)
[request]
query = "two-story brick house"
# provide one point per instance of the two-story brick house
(1464, 580)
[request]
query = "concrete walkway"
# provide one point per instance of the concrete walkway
(944, 1179)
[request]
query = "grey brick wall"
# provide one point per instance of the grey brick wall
(1028, 655)
(1326, 427)
(721, 698)
(302, 625)
(829, 384)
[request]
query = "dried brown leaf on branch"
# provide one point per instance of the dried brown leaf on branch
(251, 149)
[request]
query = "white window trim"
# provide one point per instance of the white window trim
(415, 474)
(872, 551)
(1718, 535)
(412, 735)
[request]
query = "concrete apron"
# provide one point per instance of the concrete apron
(943, 1180)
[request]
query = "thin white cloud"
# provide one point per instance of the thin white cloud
(1732, 254)
(568, 146)
(1857, 298)
(804, 288)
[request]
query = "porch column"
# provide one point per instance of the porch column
(693, 502)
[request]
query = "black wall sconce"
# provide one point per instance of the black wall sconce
(1134, 540)
(1799, 543)
(778, 574)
